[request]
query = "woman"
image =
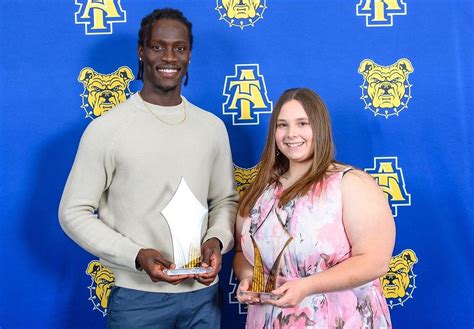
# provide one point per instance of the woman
(331, 224)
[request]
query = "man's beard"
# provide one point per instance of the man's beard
(166, 88)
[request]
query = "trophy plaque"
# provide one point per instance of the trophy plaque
(261, 289)
(185, 215)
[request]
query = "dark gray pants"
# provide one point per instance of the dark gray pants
(133, 309)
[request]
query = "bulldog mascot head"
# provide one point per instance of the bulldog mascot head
(105, 91)
(386, 85)
(103, 279)
(244, 177)
(397, 279)
(241, 8)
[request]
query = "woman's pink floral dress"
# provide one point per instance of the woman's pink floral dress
(319, 242)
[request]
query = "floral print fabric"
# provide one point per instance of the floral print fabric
(319, 242)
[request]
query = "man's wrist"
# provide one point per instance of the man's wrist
(218, 242)
(137, 263)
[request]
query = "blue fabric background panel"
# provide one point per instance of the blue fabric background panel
(397, 77)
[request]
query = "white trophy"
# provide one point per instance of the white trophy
(185, 215)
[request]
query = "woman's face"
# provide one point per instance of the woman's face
(293, 134)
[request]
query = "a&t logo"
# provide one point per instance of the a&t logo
(390, 179)
(386, 90)
(103, 92)
(379, 13)
(241, 13)
(234, 283)
(99, 15)
(246, 95)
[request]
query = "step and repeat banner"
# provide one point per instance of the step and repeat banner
(396, 75)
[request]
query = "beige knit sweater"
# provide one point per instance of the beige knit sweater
(126, 170)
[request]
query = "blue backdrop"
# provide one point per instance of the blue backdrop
(397, 76)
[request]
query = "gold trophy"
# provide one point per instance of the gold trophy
(259, 288)
(185, 215)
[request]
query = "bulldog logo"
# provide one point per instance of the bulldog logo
(399, 282)
(241, 13)
(386, 90)
(103, 92)
(243, 177)
(102, 280)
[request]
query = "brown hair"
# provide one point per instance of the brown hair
(273, 166)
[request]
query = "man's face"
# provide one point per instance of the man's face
(166, 55)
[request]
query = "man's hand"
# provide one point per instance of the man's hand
(211, 256)
(153, 263)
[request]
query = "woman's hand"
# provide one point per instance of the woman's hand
(291, 292)
(242, 295)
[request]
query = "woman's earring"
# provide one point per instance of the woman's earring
(277, 152)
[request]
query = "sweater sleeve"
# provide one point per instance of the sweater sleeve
(222, 198)
(90, 176)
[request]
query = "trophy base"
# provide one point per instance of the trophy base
(187, 271)
(263, 296)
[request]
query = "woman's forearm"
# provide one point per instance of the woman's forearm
(353, 272)
(242, 268)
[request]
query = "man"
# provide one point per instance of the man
(128, 168)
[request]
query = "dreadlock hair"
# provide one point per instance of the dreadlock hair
(146, 27)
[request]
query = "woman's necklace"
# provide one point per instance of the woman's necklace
(162, 120)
